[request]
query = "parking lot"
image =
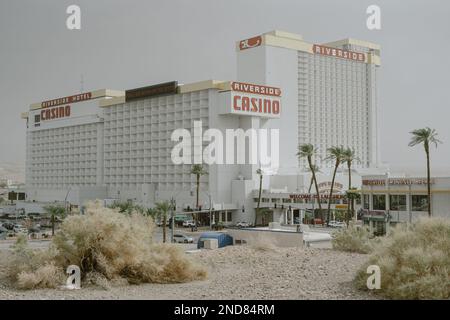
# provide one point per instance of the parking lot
(158, 237)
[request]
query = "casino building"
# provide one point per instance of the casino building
(112, 144)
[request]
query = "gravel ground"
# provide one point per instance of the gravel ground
(240, 272)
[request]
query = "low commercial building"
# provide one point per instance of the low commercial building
(405, 198)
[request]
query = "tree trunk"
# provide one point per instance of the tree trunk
(317, 188)
(349, 165)
(259, 199)
(53, 225)
(427, 151)
(310, 185)
(331, 192)
(164, 227)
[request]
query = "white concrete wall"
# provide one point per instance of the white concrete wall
(260, 237)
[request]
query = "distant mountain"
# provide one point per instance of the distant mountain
(12, 171)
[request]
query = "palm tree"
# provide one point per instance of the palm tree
(198, 171)
(151, 212)
(307, 151)
(426, 136)
(260, 173)
(125, 207)
(316, 170)
(163, 208)
(348, 157)
(54, 211)
(337, 154)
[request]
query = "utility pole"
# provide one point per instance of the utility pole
(210, 211)
(172, 218)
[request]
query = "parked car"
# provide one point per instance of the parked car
(243, 224)
(20, 230)
(181, 238)
(337, 224)
(8, 225)
(3, 233)
(189, 223)
(159, 223)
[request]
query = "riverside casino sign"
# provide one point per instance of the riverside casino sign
(254, 100)
(59, 107)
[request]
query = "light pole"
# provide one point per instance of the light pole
(210, 208)
(210, 211)
(172, 217)
(173, 208)
(65, 199)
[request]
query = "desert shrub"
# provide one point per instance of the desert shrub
(25, 261)
(353, 239)
(107, 246)
(45, 276)
(414, 261)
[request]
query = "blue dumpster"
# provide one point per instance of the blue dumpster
(223, 239)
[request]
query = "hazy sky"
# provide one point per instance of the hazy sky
(130, 43)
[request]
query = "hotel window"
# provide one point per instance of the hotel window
(379, 202)
(419, 203)
(397, 202)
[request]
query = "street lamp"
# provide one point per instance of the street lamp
(210, 208)
(173, 208)
(65, 199)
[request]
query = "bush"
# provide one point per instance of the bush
(353, 239)
(107, 246)
(414, 261)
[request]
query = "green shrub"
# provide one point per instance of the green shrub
(414, 261)
(353, 239)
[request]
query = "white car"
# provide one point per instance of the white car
(337, 224)
(159, 223)
(20, 229)
(243, 224)
(189, 223)
(181, 238)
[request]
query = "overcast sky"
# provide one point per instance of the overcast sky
(131, 43)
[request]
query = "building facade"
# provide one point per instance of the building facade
(330, 92)
(109, 144)
(404, 198)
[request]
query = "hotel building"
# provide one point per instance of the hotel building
(110, 144)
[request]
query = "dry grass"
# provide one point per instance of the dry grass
(353, 239)
(414, 261)
(109, 247)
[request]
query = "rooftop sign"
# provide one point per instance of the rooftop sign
(250, 43)
(67, 100)
(339, 53)
(152, 91)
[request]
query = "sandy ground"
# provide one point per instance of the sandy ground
(239, 272)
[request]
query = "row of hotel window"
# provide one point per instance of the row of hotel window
(396, 202)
